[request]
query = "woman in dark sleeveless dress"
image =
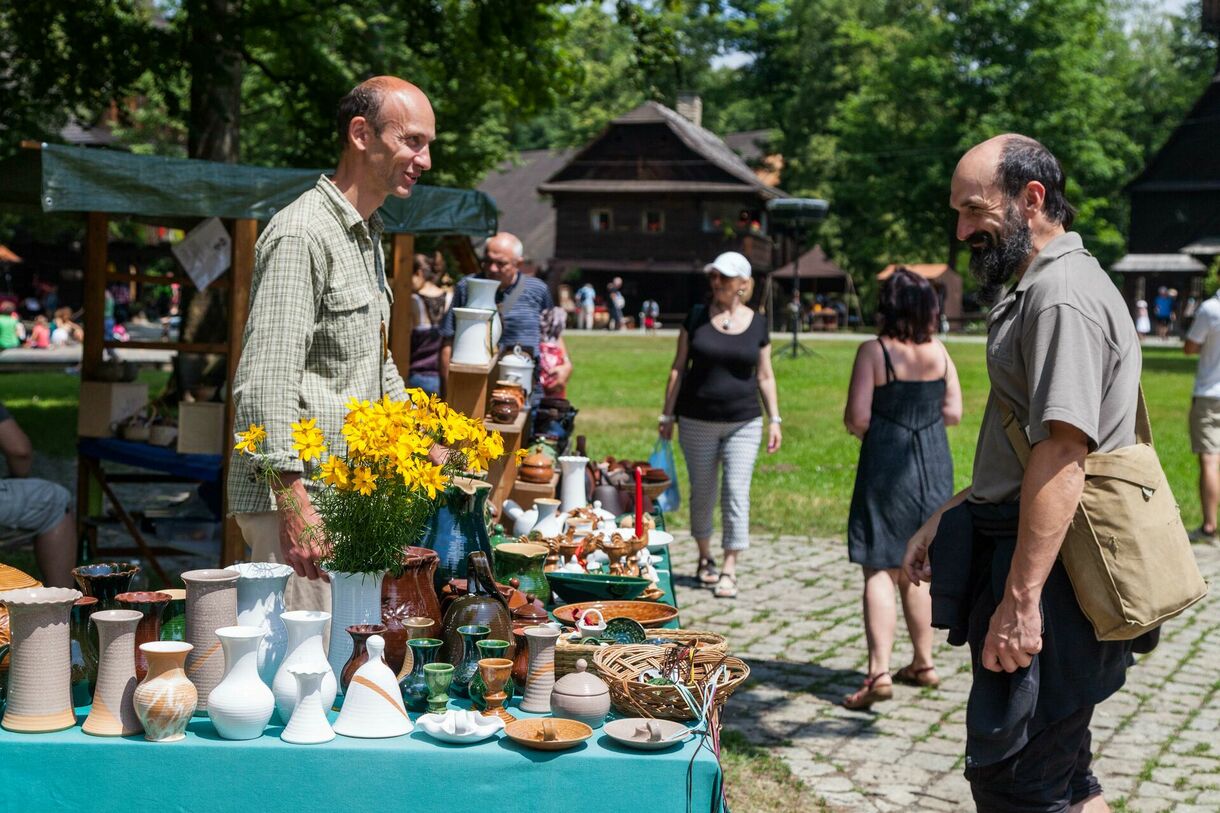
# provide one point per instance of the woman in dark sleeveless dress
(904, 391)
(430, 302)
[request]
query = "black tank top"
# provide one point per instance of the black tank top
(721, 380)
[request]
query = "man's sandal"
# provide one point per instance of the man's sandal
(726, 586)
(910, 676)
(870, 692)
(707, 573)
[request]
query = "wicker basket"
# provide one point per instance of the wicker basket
(11, 579)
(568, 653)
(619, 666)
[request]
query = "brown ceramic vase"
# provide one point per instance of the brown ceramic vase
(411, 595)
(360, 635)
(150, 605)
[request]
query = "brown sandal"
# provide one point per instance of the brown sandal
(910, 676)
(869, 693)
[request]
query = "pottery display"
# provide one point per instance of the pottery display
(489, 648)
(438, 677)
(459, 726)
(355, 598)
(494, 673)
(360, 634)
(465, 669)
(372, 703)
(413, 687)
(211, 603)
(541, 676)
(113, 713)
(105, 580)
(517, 366)
(523, 562)
(241, 705)
(304, 653)
(572, 492)
(166, 698)
(550, 521)
(308, 724)
(649, 613)
(420, 626)
(260, 602)
(83, 653)
(173, 621)
(547, 734)
(470, 331)
(646, 734)
(536, 467)
(409, 595)
(481, 605)
(39, 675)
(581, 696)
(458, 529)
(150, 606)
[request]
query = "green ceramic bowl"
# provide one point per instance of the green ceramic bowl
(574, 587)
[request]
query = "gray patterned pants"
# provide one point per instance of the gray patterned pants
(707, 445)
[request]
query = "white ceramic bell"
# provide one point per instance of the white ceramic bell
(308, 724)
(572, 483)
(241, 704)
(550, 522)
(470, 336)
(481, 295)
(305, 651)
(372, 705)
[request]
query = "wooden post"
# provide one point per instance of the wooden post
(97, 228)
(241, 272)
(402, 312)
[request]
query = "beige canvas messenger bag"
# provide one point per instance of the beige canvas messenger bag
(1126, 552)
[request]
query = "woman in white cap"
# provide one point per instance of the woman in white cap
(722, 365)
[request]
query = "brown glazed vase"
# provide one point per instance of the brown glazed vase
(114, 711)
(39, 678)
(360, 635)
(211, 603)
(410, 595)
(521, 658)
(150, 606)
(483, 605)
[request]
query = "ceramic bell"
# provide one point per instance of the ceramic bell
(581, 696)
(372, 704)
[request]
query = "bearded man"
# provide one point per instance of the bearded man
(1063, 355)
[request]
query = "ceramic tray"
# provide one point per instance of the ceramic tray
(568, 733)
(650, 614)
(633, 733)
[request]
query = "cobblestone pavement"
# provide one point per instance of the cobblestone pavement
(797, 622)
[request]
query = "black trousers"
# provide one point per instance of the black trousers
(1050, 774)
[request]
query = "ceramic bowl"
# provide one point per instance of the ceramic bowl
(572, 587)
(659, 540)
(532, 733)
(633, 733)
(624, 630)
(650, 614)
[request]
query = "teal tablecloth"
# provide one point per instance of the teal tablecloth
(72, 771)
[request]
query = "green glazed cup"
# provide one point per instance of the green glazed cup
(438, 676)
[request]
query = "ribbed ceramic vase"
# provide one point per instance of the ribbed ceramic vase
(150, 606)
(355, 598)
(572, 483)
(39, 676)
(83, 651)
(241, 704)
(260, 603)
(211, 603)
(113, 713)
(372, 704)
(304, 652)
(541, 676)
(166, 698)
(308, 724)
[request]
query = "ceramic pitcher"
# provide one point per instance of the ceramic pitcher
(541, 676)
(211, 603)
(409, 595)
(470, 336)
(458, 529)
(260, 602)
(572, 483)
(166, 698)
(114, 711)
(355, 598)
(550, 521)
(523, 562)
(241, 704)
(305, 651)
(39, 676)
(481, 295)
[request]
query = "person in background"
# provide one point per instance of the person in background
(1203, 340)
(430, 301)
(722, 366)
(40, 333)
(553, 358)
(9, 337)
(38, 506)
(1162, 308)
(1143, 325)
(650, 316)
(586, 299)
(615, 302)
(904, 392)
(66, 331)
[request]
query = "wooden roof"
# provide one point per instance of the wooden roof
(812, 264)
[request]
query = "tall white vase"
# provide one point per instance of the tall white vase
(305, 651)
(308, 724)
(550, 522)
(373, 704)
(260, 603)
(572, 483)
(355, 598)
(470, 336)
(241, 704)
(481, 295)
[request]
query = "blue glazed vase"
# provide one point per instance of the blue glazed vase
(413, 686)
(458, 529)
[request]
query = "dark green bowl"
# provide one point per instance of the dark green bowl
(575, 587)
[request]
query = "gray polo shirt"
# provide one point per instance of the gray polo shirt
(1061, 346)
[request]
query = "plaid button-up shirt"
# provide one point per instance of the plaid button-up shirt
(318, 301)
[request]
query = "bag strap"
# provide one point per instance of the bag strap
(505, 306)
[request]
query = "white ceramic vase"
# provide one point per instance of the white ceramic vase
(572, 483)
(305, 651)
(481, 295)
(308, 724)
(260, 603)
(550, 523)
(372, 706)
(241, 704)
(355, 598)
(470, 336)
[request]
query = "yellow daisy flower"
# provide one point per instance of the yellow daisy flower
(249, 440)
(335, 472)
(364, 481)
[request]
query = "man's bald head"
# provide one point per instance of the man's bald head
(369, 98)
(502, 258)
(1010, 162)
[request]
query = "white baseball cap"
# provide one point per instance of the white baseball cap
(729, 264)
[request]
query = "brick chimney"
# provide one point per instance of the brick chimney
(690, 107)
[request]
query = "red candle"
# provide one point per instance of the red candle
(639, 502)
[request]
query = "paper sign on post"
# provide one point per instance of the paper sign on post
(205, 252)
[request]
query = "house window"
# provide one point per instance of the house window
(652, 222)
(600, 220)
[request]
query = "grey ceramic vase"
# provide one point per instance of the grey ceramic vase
(113, 713)
(40, 673)
(211, 603)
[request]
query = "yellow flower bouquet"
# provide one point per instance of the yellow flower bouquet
(379, 496)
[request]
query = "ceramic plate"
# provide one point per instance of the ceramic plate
(624, 630)
(627, 732)
(569, 733)
(659, 541)
(650, 614)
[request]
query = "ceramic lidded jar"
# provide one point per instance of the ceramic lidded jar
(39, 677)
(114, 712)
(260, 602)
(211, 603)
(581, 696)
(165, 699)
(537, 467)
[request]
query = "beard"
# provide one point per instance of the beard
(998, 259)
